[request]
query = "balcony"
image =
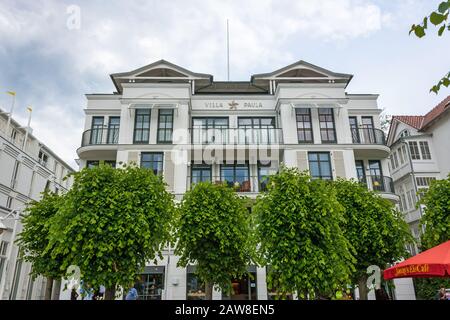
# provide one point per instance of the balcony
(98, 136)
(236, 136)
(368, 136)
(379, 183)
(250, 184)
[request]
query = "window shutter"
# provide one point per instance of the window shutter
(302, 160)
(169, 168)
(339, 165)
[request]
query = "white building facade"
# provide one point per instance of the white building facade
(189, 128)
(420, 153)
(27, 168)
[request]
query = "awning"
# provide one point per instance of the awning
(434, 262)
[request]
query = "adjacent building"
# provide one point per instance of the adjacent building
(27, 168)
(420, 153)
(189, 128)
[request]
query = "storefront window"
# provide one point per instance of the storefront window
(195, 290)
(151, 284)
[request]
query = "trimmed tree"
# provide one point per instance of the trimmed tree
(436, 218)
(34, 239)
(299, 231)
(214, 233)
(436, 222)
(376, 231)
(113, 221)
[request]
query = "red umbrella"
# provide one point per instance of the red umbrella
(434, 262)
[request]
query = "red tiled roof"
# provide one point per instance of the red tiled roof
(421, 122)
(413, 121)
(436, 112)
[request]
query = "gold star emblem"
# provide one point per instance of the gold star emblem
(233, 105)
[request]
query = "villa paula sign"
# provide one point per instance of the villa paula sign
(233, 105)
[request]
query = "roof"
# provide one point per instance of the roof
(436, 113)
(413, 121)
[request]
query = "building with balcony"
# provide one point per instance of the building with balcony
(190, 128)
(27, 168)
(419, 155)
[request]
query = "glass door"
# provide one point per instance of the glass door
(360, 171)
(210, 130)
(257, 130)
(97, 130)
(368, 129)
(354, 129)
(243, 288)
(113, 130)
(376, 174)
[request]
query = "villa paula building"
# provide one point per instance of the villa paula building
(190, 128)
(420, 154)
(27, 168)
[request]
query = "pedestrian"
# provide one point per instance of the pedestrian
(442, 294)
(132, 294)
(73, 294)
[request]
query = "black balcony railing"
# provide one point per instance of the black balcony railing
(379, 183)
(239, 184)
(237, 136)
(368, 136)
(98, 136)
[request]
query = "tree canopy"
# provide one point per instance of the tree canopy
(375, 229)
(436, 217)
(300, 237)
(214, 233)
(111, 223)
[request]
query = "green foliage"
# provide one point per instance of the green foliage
(112, 222)
(34, 238)
(436, 218)
(298, 229)
(438, 18)
(377, 231)
(427, 288)
(214, 233)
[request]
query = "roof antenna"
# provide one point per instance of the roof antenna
(228, 51)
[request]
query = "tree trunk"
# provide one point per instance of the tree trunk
(110, 293)
(48, 289)
(362, 288)
(208, 291)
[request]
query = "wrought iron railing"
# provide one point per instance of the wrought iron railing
(98, 136)
(239, 184)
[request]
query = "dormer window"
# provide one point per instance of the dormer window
(404, 133)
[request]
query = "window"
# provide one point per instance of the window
(403, 199)
(414, 149)
(3, 251)
(304, 126)
(400, 154)
(111, 163)
(395, 159)
(256, 130)
(320, 165)
(47, 186)
(404, 152)
(360, 171)
(327, 130)
(43, 158)
(424, 181)
(425, 150)
(404, 133)
(200, 173)
(97, 130)
(113, 130)
(195, 290)
(150, 284)
(209, 130)
(165, 125)
(236, 175)
(376, 174)
(92, 163)
(264, 172)
(152, 161)
(392, 162)
(354, 129)
(410, 200)
(142, 126)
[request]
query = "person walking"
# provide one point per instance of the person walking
(132, 294)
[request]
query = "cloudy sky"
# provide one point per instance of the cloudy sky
(51, 63)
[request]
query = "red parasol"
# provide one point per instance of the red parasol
(434, 262)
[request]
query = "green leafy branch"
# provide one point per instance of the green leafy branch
(438, 18)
